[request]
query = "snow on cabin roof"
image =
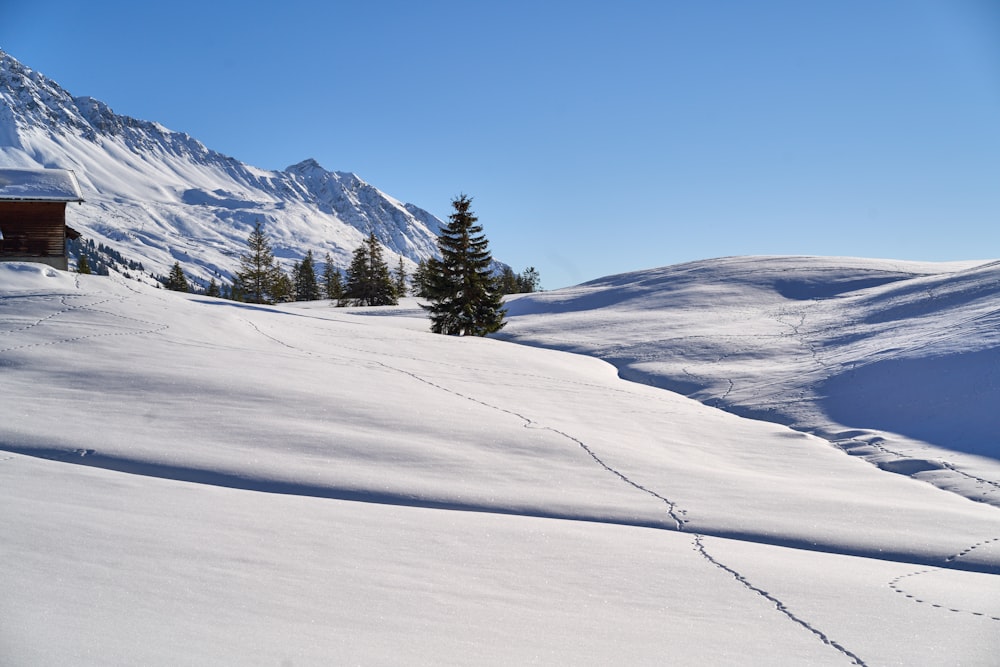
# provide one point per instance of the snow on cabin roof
(39, 185)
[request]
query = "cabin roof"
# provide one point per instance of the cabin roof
(51, 185)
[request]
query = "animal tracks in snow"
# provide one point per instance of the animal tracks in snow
(966, 552)
(678, 515)
(930, 598)
(699, 545)
(66, 307)
(672, 511)
(599, 448)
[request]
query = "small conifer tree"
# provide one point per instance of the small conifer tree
(422, 279)
(304, 277)
(283, 289)
(213, 289)
(82, 265)
(529, 280)
(333, 282)
(257, 278)
(508, 281)
(368, 280)
(399, 279)
(177, 281)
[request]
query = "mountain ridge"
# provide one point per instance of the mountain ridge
(160, 196)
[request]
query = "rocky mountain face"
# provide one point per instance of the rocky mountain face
(156, 196)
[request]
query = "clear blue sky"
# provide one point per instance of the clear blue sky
(595, 137)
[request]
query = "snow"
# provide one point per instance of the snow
(39, 185)
(195, 481)
(897, 362)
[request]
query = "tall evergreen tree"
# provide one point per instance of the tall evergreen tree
(465, 296)
(258, 275)
(304, 277)
(368, 280)
(177, 281)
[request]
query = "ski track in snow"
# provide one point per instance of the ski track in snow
(778, 604)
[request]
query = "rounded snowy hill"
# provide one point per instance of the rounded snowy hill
(896, 361)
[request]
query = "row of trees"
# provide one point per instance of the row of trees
(368, 282)
(100, 259)
(260, 279)
(464, 290)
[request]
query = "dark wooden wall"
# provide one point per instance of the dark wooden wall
(33, 229)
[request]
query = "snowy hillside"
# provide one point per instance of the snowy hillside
(191, 481)
(157, 196)
(896, 362)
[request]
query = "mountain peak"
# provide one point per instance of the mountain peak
(158, 196)
(309, 164)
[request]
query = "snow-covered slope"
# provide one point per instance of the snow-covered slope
(185, 480)
(897, 362)
(158, 196)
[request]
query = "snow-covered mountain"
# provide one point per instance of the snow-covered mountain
(158, 196)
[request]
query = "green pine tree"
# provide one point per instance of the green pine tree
(422, 279)
(333, 282)
(519, 283)
(368, 280)
(177, 281)
(528, 280)
(259, 273)
(304, 277)
(509, 281)
(465, 296)
(213, 289)
(82, 265)
(283, 289)
(399, 280)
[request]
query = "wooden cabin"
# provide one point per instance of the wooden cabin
(33, 215)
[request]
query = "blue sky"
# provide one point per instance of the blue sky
(594, 137)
